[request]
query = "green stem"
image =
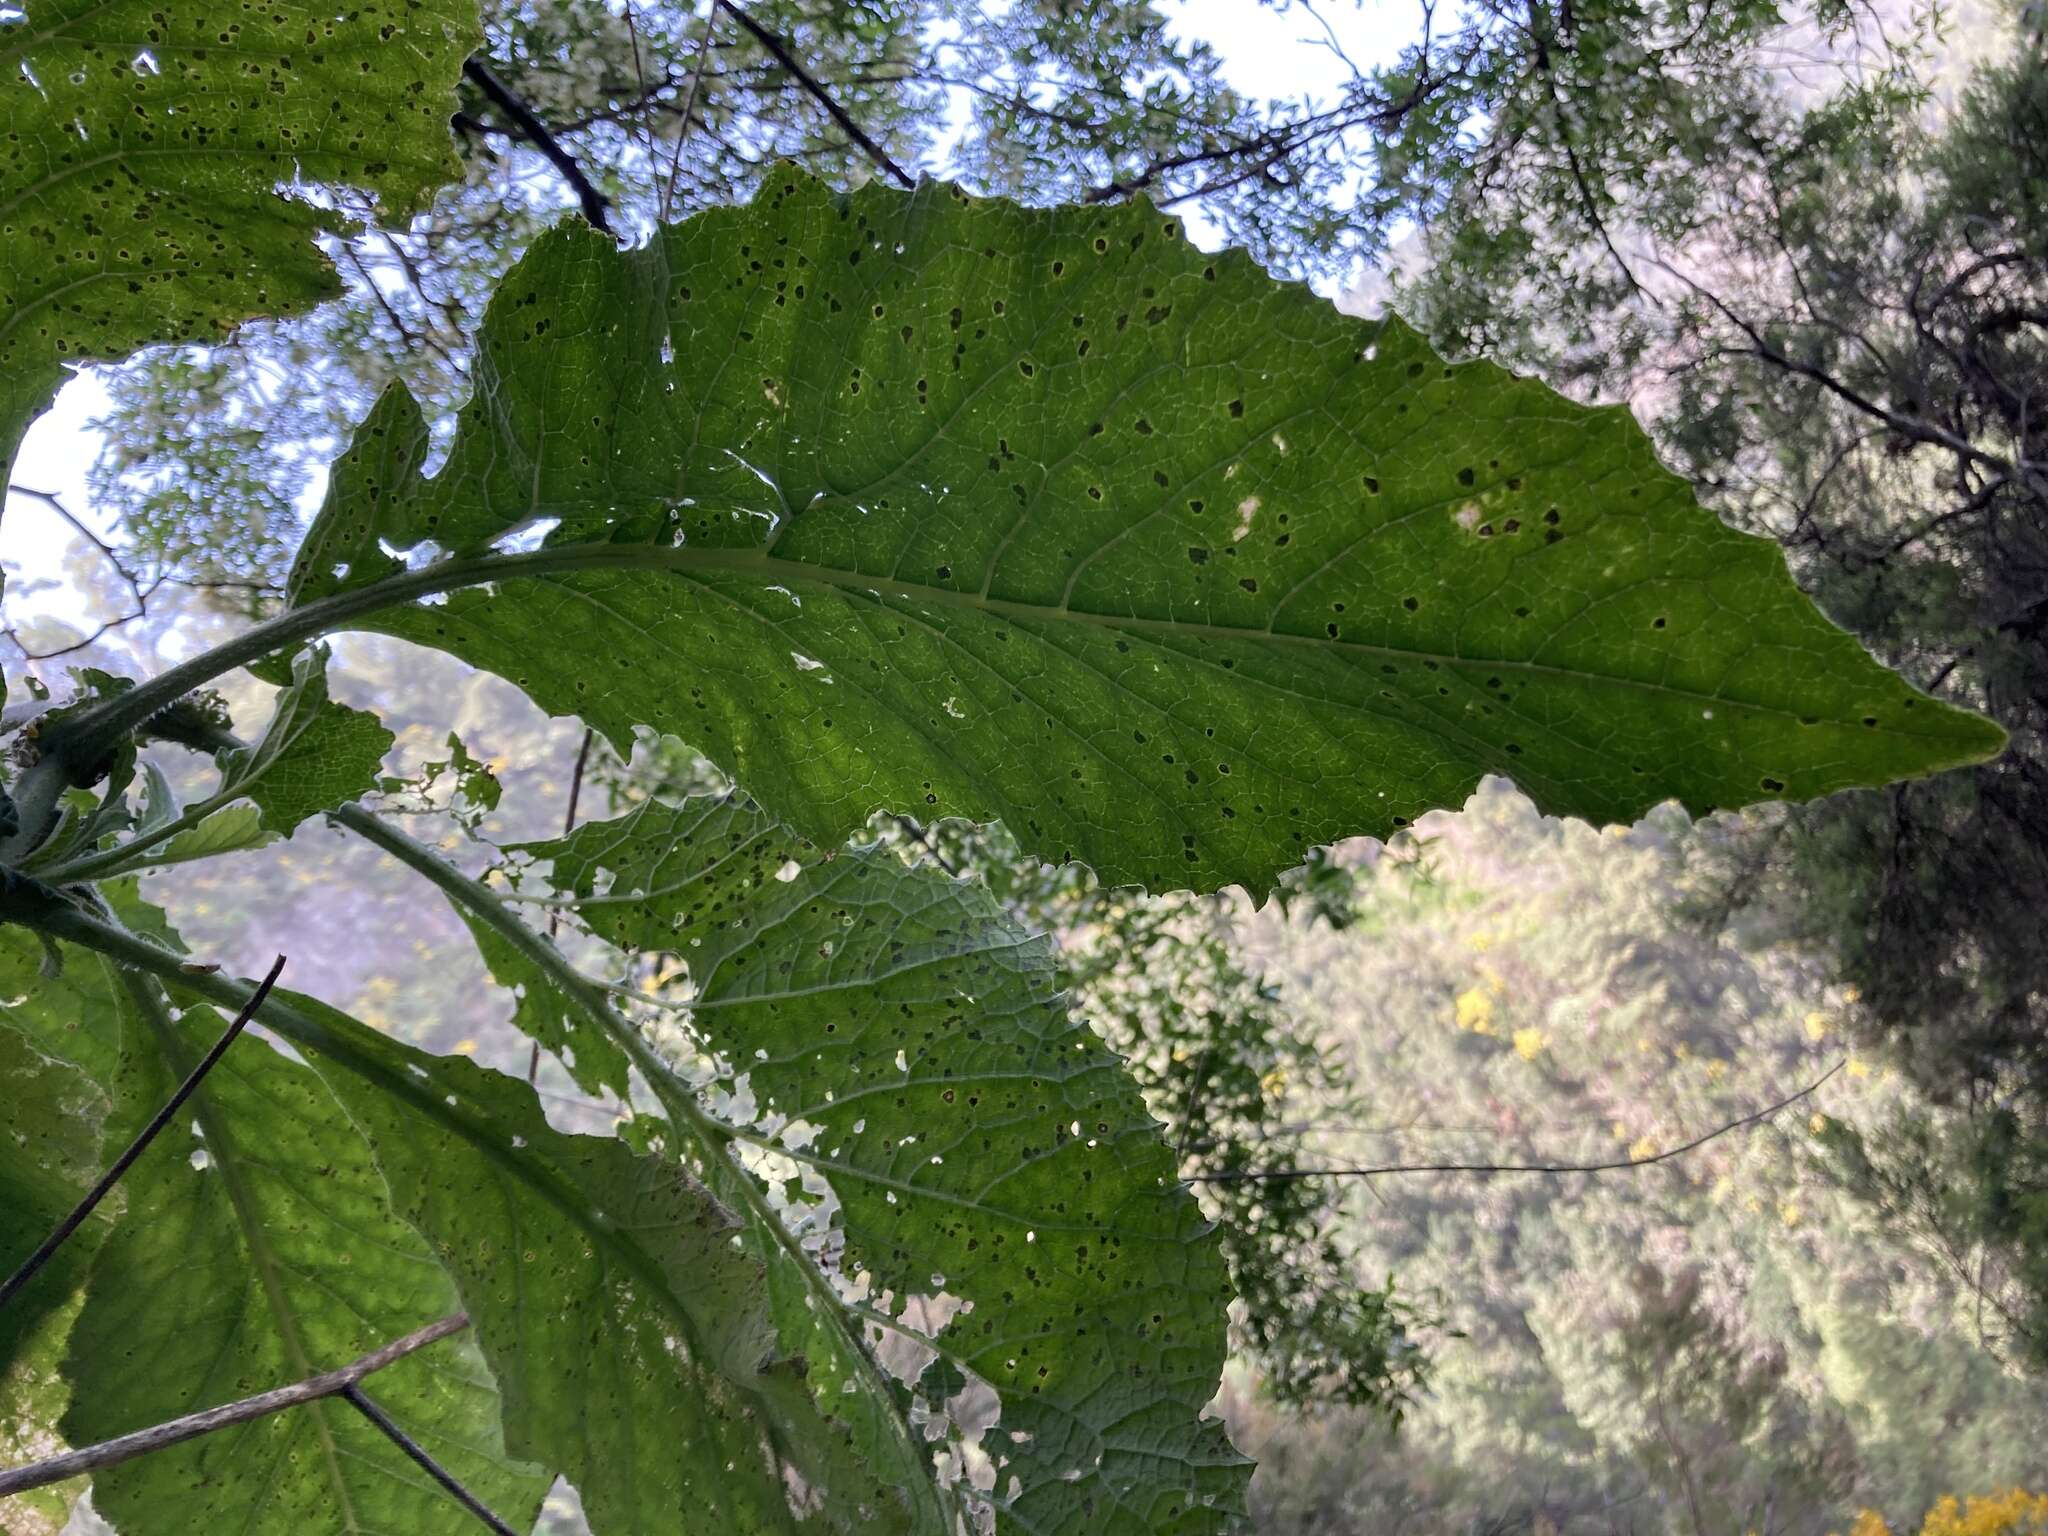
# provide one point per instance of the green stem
(589, 996)
(77, 737)
(40, 908)
(117, 860)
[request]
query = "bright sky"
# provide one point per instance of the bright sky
(1268, 51)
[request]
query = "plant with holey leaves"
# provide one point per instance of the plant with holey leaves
(893, 500)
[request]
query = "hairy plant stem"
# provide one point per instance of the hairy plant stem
(588, 996)
(122, 858)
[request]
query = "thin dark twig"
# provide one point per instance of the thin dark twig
(54, 1469)
(537, 133)
(818, 93)
(675, 165)
(139, 590)
(360, 1401)
(121, 1164)
(923, 838)
(1615, 1166)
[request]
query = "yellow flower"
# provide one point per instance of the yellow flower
(1817, 1122)
(1274, 1083)
(1529, 1043)
(1641, 1148)
(1858, 1068)
(2014, 1512)
(1475, 1011)
(1816, 1026)
(1789, 1213)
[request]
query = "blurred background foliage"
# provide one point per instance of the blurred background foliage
(1808, 245)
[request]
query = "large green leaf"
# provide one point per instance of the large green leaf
(914, 500)
(897, 1036)
(142, 145)
(643, 1344)
(256, 1246)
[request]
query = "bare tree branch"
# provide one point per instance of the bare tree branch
(536, 132)
(818, 93)
(568, 826)
(675, 164)
(923, 838)
(139, 589)
(108, 1453)
(71, 1223)
(2020, 471)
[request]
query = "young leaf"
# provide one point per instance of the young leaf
(232, 829)
(906, 1043)
(160, 802)
(947, 505)
(256, 1246)
(314, 754)
(141, 148)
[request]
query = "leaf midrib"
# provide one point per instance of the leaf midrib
(577, 557)
(81, 737)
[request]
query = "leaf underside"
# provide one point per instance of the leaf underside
(141, 146)
(51, 1113)
(977, 1169)
(49, 1119)
(908, 1045)
(955, 507)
